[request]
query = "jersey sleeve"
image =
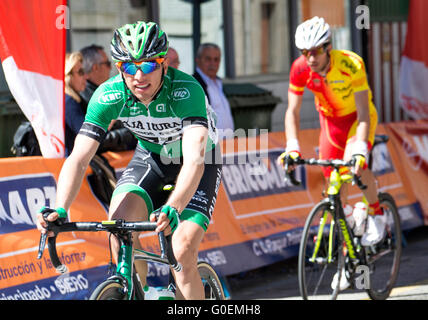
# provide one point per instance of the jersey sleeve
(102, 109)
(298, 76)
(358, 72)
(190, 104)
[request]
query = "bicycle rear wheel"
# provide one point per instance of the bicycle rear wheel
(109, 290)
(317, 265)
(211, 282)
(384, 261)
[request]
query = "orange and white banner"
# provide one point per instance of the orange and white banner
(257, 220)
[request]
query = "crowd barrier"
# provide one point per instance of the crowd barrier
(257, 220)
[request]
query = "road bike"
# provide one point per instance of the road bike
(329, 248)
(124, 284)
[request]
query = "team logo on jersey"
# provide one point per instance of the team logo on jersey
(110, 97)
(161, 108)
(181, 94)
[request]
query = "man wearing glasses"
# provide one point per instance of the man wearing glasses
(348, 117)
(97, 66)
(167, 111)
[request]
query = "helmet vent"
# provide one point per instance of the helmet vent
(140, 43)
(131, 45)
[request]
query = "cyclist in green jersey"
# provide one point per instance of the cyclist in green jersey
(168, 113)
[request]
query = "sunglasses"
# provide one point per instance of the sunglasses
(314, 52)
(145, 66)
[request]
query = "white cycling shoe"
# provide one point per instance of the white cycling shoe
(344, 283)
(375, 230)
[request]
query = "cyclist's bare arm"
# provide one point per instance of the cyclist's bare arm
(71, 175)
(193, 144)
(292, 120)
(292, 116)
(363, 111)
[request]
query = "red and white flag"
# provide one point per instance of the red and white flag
(32, 52)
(414, 63)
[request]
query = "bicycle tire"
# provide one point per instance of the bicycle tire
(109, 290)
(315, 277)
(382, 283)
(211, 282)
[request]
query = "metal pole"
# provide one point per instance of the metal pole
(229, 47)
(196, 27)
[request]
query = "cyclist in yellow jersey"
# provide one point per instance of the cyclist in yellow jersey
(343, 98)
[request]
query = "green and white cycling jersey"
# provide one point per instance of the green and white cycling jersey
(159, 126)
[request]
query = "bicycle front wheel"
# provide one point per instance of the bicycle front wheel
(320, 255)
(109, 290)
(211, 282)
(384, 260)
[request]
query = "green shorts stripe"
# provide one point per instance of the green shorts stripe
(196, 217)
(132, 188)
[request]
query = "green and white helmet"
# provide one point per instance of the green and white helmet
(138, 41)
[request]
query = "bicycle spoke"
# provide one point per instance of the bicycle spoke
(318, 255)
(384, 258)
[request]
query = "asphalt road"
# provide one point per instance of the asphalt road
(279, 281)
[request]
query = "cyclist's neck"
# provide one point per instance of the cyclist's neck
(323, 72)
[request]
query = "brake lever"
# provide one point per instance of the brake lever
(44, 236)
(42, 245)
(359, 183)
(290, 175)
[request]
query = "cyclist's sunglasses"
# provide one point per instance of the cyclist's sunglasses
(145, 66)
(316, 51)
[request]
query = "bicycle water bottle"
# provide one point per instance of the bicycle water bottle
(160, 293)
(360, 217)
(348, 210)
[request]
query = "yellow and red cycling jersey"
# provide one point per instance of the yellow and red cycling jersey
(334, 100)
(334, 94)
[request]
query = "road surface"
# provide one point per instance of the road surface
(279, 281)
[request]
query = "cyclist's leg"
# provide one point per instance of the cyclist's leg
(136, 195)
(129, 206)
(186, 241)
(195, 219)
(332, 143)
(367, 176)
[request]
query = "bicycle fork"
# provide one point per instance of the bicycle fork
(346, 236)
(125, 265)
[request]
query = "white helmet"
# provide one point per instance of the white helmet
(312, 33)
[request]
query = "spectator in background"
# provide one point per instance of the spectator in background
(208, 59)
(75, 106)
(173, 59)
(97, 66)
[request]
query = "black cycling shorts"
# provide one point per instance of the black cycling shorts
(147, 174)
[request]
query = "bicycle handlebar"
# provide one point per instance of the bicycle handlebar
(114, 226)
(335, 163)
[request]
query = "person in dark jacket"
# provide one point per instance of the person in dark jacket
(75, 106)
(97, 66)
